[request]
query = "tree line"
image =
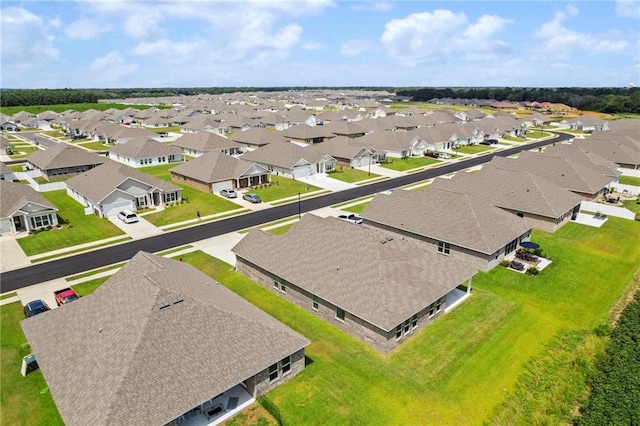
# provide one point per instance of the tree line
(600, 99)
(607, 100)
(615, 385)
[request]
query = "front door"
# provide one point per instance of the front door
(17, 223)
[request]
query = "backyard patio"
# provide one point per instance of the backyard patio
(217, 409)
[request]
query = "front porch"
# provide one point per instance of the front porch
(217, 409)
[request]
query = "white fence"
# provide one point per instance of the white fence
(590, 206)
(53, 186)
(631, 189)
(629, 172)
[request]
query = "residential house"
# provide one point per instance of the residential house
(375, 285)
(291, 160)
(112, 187)
(22, 208)
(215, 171)
(520, 193)
(158, 343)
(583, 178)
(6, 173)
(393, 144)
(63, 159)
(588, 124)
(304, 134)
(345, 128)
(204, 123)
(346, 152)
(453, 223)
(197, 144)
(620, 146)
(142, 152)
(257, 137)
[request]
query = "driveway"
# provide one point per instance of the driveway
(323, 181)
(137, 230)
(11, 254)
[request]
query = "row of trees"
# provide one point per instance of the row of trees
(615, 386)
(609, 100)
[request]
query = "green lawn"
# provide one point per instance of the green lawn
(516, 352)
(37, 109)
(633, 205)
(15, 167)
(466, 366)
(83, 228)
(514, 139)
(474, 149)
(629, 180)
(356, 208)
(174, 129)
(536, 134)
(349, 175)
(95, 146)
(22, 151)
(280, 229)
(197, 201)
(23, 400)
(282, 187)
(403, 164)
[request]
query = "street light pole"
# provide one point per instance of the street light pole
(298, 206)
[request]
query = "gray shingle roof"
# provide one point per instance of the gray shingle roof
(144, 148)
(446, 215)
(285, 155)
(205, 141)
(100, 181)
(257, 136)
(63, 155)
(215, 167)
(115, 357)
(382, 283)
(514, 190)
(14, 196)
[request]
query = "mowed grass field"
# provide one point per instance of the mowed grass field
(83, 228)
(464, 368)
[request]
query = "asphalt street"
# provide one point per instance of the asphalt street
(15, 279)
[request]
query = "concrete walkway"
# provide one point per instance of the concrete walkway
(324, 181)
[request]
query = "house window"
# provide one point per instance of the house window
(511, 246)
(438, 306)
(286, 365)
(170, 197)
(141, 162)
(399, 332)
(432, 310)
(40, 221)
(339, 313)
(414, 322)
(407, 326)
(276, 282)
(273, 372)
(283, 287)
(444, 248)
(314, 302)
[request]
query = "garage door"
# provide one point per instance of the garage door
(5, 226)
(218, 186)
(304, 171)
(114, 208)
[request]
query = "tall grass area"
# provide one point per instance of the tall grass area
(472, 364)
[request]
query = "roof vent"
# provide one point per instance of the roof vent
(386, 240)
(163, 305)
(177, 300)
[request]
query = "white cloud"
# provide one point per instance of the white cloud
(26, 39)
(442, 35)
(86, 29)
(356, 47)
(557, 38)
(112, 70)
(378, 6)
(628, 8)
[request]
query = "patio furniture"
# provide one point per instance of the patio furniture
(232, 403)
(215, 410)
(518, 266)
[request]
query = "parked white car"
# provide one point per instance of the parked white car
(127, 216)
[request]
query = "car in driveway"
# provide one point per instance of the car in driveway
(127, 216)
(252, 198)
(445, 156)
(351, 218)
(229, 193)
(35, 307)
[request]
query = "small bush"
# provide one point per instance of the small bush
(504, 263)
(602, 330)
(533, 270)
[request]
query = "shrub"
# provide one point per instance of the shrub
(533, 270)
(504, 263)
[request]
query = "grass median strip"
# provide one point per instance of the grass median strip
(95, 271)
(66, 253)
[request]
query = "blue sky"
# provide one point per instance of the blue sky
(113, 44)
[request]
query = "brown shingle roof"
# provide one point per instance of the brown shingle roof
(63, 155)
(101, 181)
(144, 148)
(14, 196)
(384, 283)
(446, 215)
(115, 357)
(215, 167)
(205, 141)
